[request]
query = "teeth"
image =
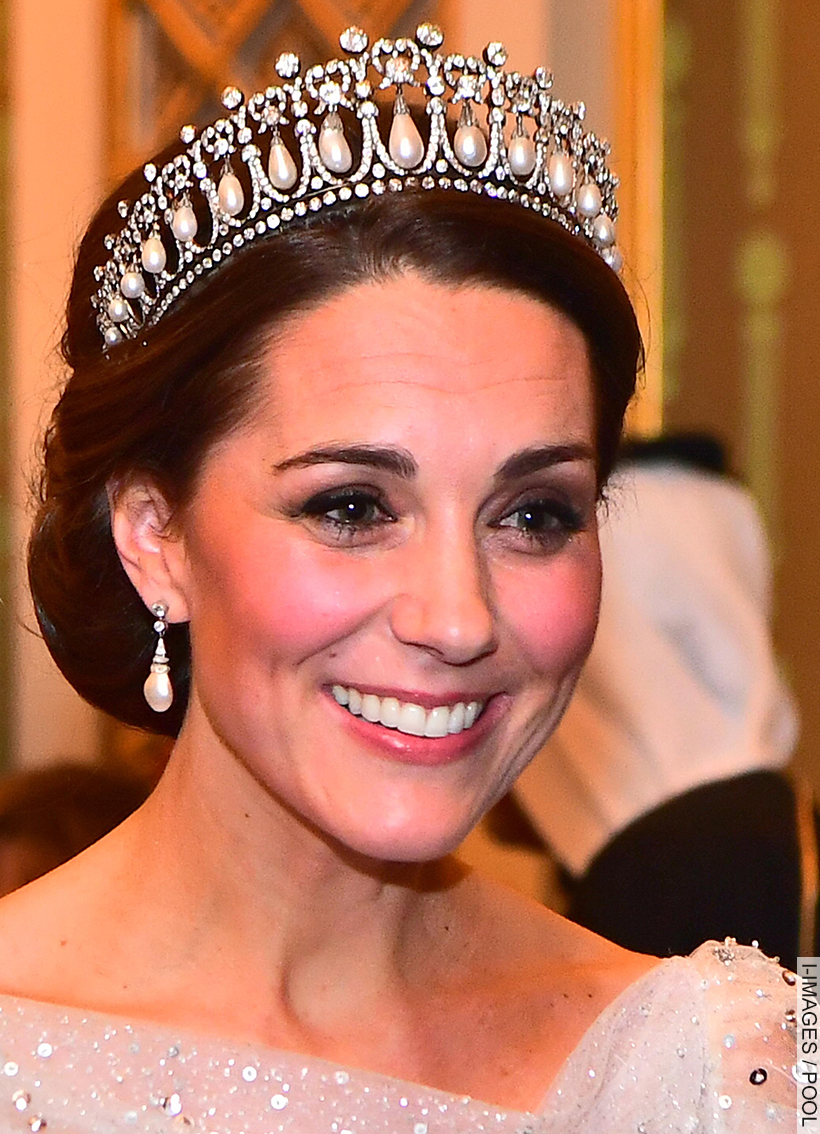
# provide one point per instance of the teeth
(390, 712)
(407, 717)
(412, 719)
(470, 714)
(456, 722)
(371, 707)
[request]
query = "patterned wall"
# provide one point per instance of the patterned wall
(742, 279)
(170, 59)
(5, 627)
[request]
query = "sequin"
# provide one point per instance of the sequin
(44, 1050)
(21, 1099)
(172, 1105)
(278, 1102)
(758, 1076)
(725, 1101)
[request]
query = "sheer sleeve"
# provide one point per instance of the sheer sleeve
(750, 1008)
(703, 1044)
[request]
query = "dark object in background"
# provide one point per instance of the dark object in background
(49, 815)
(721, 860)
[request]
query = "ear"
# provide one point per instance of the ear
(150, 549)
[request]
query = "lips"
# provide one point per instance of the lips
(409, 717)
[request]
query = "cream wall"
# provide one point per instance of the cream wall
(56, 96)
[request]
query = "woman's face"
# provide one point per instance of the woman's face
(405, 528)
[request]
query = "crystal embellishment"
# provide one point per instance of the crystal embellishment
(231, 98)
(353, 40)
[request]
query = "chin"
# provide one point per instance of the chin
(413, 841)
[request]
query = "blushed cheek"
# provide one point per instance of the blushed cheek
(554, 618)
(294, 601)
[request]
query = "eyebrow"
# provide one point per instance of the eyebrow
(541, 457)
(389, 459)
(401, 463)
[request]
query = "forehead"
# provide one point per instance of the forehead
(406, 355)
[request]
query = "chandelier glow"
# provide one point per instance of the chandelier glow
(197, 211)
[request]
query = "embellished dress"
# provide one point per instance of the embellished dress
(698, 1045)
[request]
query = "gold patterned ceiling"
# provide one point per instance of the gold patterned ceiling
(169, 59)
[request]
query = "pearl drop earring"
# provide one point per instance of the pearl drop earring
(158, 690)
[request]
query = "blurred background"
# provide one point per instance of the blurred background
(711, 111)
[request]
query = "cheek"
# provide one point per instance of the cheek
(553, 614)
(288, 597)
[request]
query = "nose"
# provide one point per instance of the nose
(444, 604)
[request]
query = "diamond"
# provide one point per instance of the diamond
(187, 134)
(232, 97)
(330, 93)
(436, 85)
(150, 171)
(122, 208)
(397, 70)
(353, 40)
(429, 35)
(496, 54)
(287, 65)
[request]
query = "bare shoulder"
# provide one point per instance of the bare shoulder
(528, 933)
(529, 986)
(43, 929)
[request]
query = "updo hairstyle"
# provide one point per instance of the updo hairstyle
(155, 405)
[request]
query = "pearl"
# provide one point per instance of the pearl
(132, 285)
(118, 310)
(112, 336)
(405, 143)
(153, 255)
(521, 154)
(184, 223)
(158, 691)
(603, 231)
(613, 257)
(333, 148)
(589, 200)
(561, 175)
(470, 146)
(231, 194)
(282, 169)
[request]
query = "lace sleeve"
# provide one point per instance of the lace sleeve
(751, 1011)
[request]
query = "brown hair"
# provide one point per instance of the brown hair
(157, 404)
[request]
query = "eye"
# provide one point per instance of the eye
(347, 512)
(547, 523)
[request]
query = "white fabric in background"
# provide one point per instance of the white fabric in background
(681, 687)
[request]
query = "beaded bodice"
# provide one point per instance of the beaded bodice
(701, 1044)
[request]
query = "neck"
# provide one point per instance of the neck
(310, 928)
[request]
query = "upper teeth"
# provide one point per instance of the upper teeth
(407, 716)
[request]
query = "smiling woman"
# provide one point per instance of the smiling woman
(338, 477)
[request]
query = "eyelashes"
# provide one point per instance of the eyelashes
(546, 522)
(347, 512)
(359, 515)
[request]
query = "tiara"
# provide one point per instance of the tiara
(196, 212)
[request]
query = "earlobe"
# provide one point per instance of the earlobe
(149, 550)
